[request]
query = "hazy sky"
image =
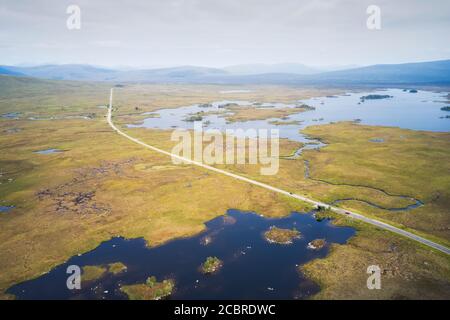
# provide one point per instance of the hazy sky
(223, 32)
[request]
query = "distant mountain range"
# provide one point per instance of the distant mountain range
(249, 69)
(10, 72)
(63, 72)
(422, 72)
(433, 73)
(295, 68)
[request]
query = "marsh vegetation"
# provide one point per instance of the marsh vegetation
(317, 244)
(150, 290)
(102, 185)
(211, 265)
(281, 236)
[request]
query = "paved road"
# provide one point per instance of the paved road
(346, 213)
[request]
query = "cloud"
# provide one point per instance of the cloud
(107, 43)
(221, 32)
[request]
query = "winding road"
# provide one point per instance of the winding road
(337, 210)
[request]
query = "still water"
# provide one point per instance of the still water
(252, 269)
(416, 111)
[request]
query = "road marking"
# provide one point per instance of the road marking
(346, 213)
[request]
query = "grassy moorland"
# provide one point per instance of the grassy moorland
(395, 254)
(408, 271)
(371, 177)
(411, 163)
(237, 113)
(126, 191)
(103, 186)
(343, 273)
(241, 113)
(133, 100)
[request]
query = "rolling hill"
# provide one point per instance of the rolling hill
(428, 73)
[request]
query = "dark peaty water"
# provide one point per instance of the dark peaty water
(253, 268)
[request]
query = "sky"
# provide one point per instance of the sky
(217, 33)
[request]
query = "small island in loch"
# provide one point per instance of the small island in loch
(281, 236)
(375, 97)
(317, 244)
(117, 267)
(194, 117)
(93, 273)
(150, 290)
(285, 123)
(211, 265)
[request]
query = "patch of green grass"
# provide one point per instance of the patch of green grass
(410, 163)
(151, 290)
(285, 123)
(408, 270)
(211, 265)
(247, 113)
(157, 204)
(281, 236)
(195, 117)
(317, 244)
(116, 267)
(91, 273)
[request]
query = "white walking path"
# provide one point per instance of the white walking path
(347, 213)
